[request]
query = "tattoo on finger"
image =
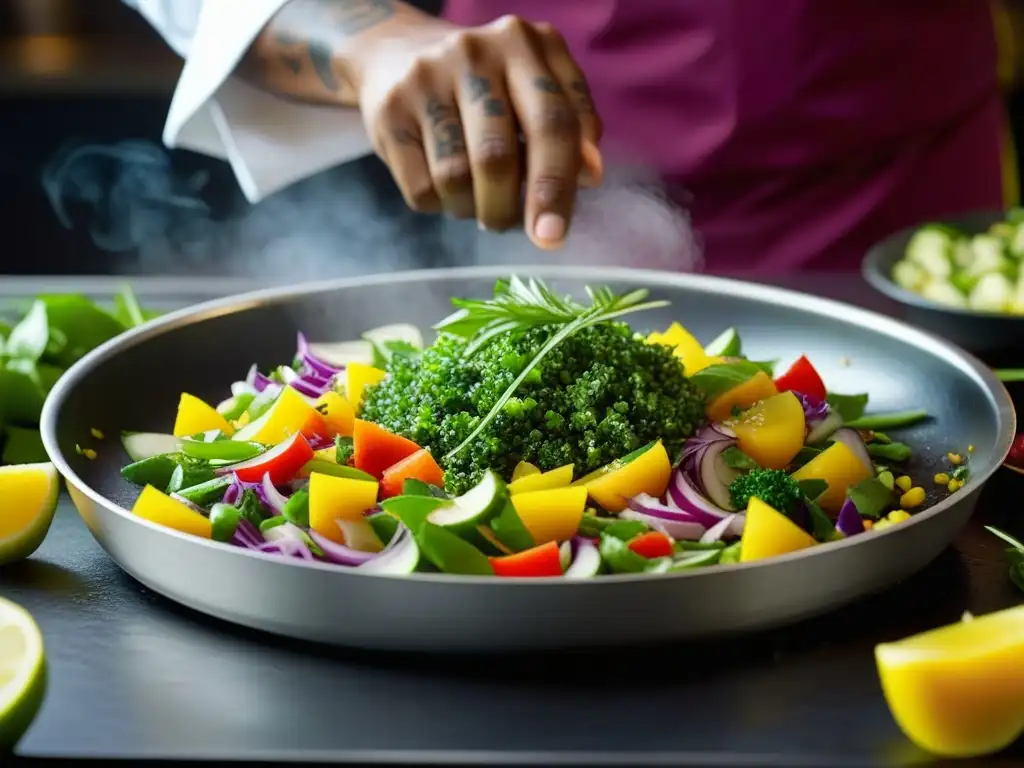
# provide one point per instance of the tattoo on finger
(479, 89)
(445, 128)
(584, 99)
(546, 84)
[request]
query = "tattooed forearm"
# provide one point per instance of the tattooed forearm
(301, 51)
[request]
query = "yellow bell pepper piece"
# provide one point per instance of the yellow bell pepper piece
(333, 498)
(338, 413)
(755, 389)
(195, 416)
(327, 454)
(290, 413)
(769, 533)
(556, 478)
(524, 469)
(159, 508)
(685, 347)
(551, 515)
(772, 431)
(359, 376)
(838, 466)
(958, 691)
(614, 485)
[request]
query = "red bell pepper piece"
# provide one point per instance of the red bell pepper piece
(802, 378)
(1016, 455)
(418, 466)
(283, 462)
(652, 545)
(545, 560)
(374, 449)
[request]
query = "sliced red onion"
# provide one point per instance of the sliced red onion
(849, 521)
(718, 531)
(823, 429)
(586, 559)
(321, 367)
(301, 385)
(286, 548)
(688, 499)
(340, 554)
(679, 530)
(401, 548)
(273, 498)
(247, 535)
(285, 531)
(257, 380)
(233, 493)
(716, 475)
(814, 409)
(852, 439)
(319, 442)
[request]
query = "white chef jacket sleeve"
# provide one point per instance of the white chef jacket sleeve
(269, 142)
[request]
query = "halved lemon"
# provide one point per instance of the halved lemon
(958, 691)
(28, 498)
(22, 673)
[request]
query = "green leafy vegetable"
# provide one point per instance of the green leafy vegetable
(343, 449)
(721, 377)
(296, 509)
(1014, 553)
(896, 420)
(813, 488)
(849, 407)
(383, 351)
(28, 339)
(510, 530)
(772, 486)
(871, 497)
(734, 458)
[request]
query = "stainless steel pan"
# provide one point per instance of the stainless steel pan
(133, 383)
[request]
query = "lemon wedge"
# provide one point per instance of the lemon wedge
(958, 691)
(22, 673)
(28, 499)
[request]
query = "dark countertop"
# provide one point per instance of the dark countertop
(135, 677)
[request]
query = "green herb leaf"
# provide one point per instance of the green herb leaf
(849, 407)
(734, 458)
(768, 366)
(822, 527)
(721, 377)
(343, 449)
(383, 351)
(871, 497)
(413, 487)
(889, 451)
(77, 326)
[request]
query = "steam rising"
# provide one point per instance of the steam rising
(128, 197)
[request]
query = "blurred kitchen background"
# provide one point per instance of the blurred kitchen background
(87, 188)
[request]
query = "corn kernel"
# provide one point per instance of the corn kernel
(897, 516)
(912, 498)
(96, 433)
(89, 453)
(970, 449)
(887, 479)
(904, 483)
(954, 485)
(881, 525)
(868, 524)
(942, 479)
(954, 458)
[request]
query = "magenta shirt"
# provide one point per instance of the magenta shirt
(801, 130)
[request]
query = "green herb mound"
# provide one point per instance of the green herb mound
(597, 396)
(772, 486)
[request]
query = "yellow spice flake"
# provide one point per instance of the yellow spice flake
(942, 479)
(912, 498)
(904, 483)
(96, 433)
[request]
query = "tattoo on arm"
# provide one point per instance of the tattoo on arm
(298, 52)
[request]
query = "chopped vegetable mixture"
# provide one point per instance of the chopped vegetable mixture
(535, 437)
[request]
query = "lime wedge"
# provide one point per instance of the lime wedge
(22, 673)
(28, 498)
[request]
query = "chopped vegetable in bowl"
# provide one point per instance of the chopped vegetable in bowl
(535, 437)
(979, 272)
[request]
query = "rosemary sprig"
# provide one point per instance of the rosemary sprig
(519, 305)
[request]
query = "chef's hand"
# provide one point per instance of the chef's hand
(446, 106)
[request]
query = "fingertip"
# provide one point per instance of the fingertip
(592, 172)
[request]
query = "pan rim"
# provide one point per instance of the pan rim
(983, 376)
